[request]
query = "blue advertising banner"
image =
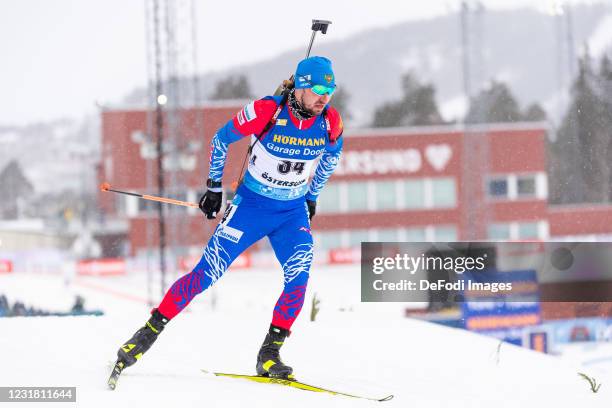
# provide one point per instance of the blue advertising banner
(493, 313)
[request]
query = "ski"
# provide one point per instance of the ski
(114, 377)
(295, 384)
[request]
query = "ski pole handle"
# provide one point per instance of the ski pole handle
(107, 187)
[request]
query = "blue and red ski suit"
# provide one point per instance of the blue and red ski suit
(270, 202)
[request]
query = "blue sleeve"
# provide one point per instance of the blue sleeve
(218, 149)
(327, 164)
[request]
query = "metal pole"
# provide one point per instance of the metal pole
(149, 135)
(159, 124)
(570, 42)
(465, 53)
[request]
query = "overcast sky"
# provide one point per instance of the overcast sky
(60, 57)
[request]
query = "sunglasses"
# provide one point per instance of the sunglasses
(322, 90)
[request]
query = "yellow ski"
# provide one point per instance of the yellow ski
(294, 384)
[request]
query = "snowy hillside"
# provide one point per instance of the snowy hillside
(520, 47)
(359, 348)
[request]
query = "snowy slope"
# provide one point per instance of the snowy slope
(370, 350)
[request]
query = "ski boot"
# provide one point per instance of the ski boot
(141, 341)
(269, 363)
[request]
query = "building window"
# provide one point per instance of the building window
(120, 204)
(518, 230)
(498, 188)
(329, 240)
(182, 196)
(146, 206)
(526, 186)
(387, 235)
(445, 234)
(513, 186)
(414, 194)
(356, 237)
(357, 196)
(444, 193)
(131, 206)
(415, 234)
(329, 199)
(386, 195)
(499, 232)
(528, 230)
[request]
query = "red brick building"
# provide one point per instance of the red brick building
(414, 184)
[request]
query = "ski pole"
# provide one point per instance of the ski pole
(107, 187)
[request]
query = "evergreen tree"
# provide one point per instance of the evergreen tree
(232, 87)
(580, 170)
(340, 101)
(592, 134)
(15, 187)
(417, 106)
(389, 114)
(493, 105)
(605, 88)
(534, 113)
(424, 108)
(565, 175)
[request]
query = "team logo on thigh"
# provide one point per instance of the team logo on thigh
(225, 231)
(230, 233)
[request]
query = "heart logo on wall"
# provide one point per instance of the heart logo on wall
(438, 155)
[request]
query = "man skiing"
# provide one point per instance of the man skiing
(288, 133)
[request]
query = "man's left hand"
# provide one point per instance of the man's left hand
(312, 208)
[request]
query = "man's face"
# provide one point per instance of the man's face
(311, 101)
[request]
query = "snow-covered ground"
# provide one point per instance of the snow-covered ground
(359, 348)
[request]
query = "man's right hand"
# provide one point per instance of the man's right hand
(210, 204)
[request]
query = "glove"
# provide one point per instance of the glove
(312, 208)
(210, 202)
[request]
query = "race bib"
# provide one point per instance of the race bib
(278, 172)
